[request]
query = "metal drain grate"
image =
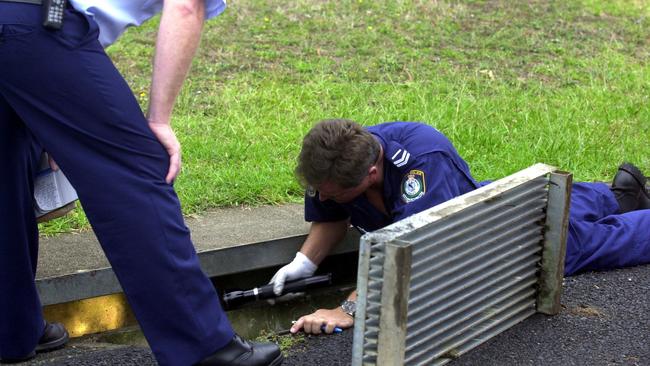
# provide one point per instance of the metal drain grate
(435, 285)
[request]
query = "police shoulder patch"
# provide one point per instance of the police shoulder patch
(413, 186)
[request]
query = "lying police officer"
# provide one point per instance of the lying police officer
(373, 177)
(59, 90)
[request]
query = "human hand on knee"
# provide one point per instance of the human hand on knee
(167, 138)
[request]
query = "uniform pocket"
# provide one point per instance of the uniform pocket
(77, 30)
(15, 30)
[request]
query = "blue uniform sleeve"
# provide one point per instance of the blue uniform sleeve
(432, 179)
(319, 211)
(214, 8)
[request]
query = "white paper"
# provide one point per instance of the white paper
(52, 190)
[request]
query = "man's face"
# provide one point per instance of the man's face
(338, 194)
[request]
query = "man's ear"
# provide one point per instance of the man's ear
(373, 173)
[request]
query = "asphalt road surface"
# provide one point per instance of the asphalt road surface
(605, 320)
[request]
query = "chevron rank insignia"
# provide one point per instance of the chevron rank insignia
(400, 158)
(413, 186)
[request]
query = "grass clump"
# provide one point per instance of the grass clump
(285, 342)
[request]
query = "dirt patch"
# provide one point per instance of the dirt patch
(586, 311)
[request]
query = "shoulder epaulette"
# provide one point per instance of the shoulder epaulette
(400, 158)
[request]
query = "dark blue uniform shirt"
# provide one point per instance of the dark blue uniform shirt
(421, 169)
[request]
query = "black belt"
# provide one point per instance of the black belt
(36, 2)
(53, 11)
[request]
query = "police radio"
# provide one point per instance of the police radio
(53, 14)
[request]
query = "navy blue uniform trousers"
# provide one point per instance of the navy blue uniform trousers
(601, 238)
(59, 90)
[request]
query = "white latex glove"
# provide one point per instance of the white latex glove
(300, 267)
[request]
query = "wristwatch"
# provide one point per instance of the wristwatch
(349, 307)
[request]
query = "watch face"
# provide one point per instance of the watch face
(349, 307)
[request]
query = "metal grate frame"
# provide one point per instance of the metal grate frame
(441, 282)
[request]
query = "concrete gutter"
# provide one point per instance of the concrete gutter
(78, 287)
(73, 266)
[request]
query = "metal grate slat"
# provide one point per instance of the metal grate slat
(427, 328)
(473, 252)
(476, 214)
(502, 318)
(519, 272)
(443, 245)
(460, 274)
(451, 337)
(488, 294)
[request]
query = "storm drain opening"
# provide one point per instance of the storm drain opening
(439, 283)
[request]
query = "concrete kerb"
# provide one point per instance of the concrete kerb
(77, 286)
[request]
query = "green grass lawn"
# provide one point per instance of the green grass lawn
(511, 83)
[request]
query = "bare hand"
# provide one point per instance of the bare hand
(167, 138)
(329, 317)
(53, 164)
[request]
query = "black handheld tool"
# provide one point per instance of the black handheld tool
(53, 14)
(235, 299)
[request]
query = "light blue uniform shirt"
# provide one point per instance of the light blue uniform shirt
(114, 16)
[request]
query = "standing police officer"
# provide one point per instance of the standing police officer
(59, 90)
(376, 176)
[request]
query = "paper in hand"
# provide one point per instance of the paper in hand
(52, 190)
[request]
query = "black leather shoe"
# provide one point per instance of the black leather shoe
(54, 336)
(240, 352)
(629, 188)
